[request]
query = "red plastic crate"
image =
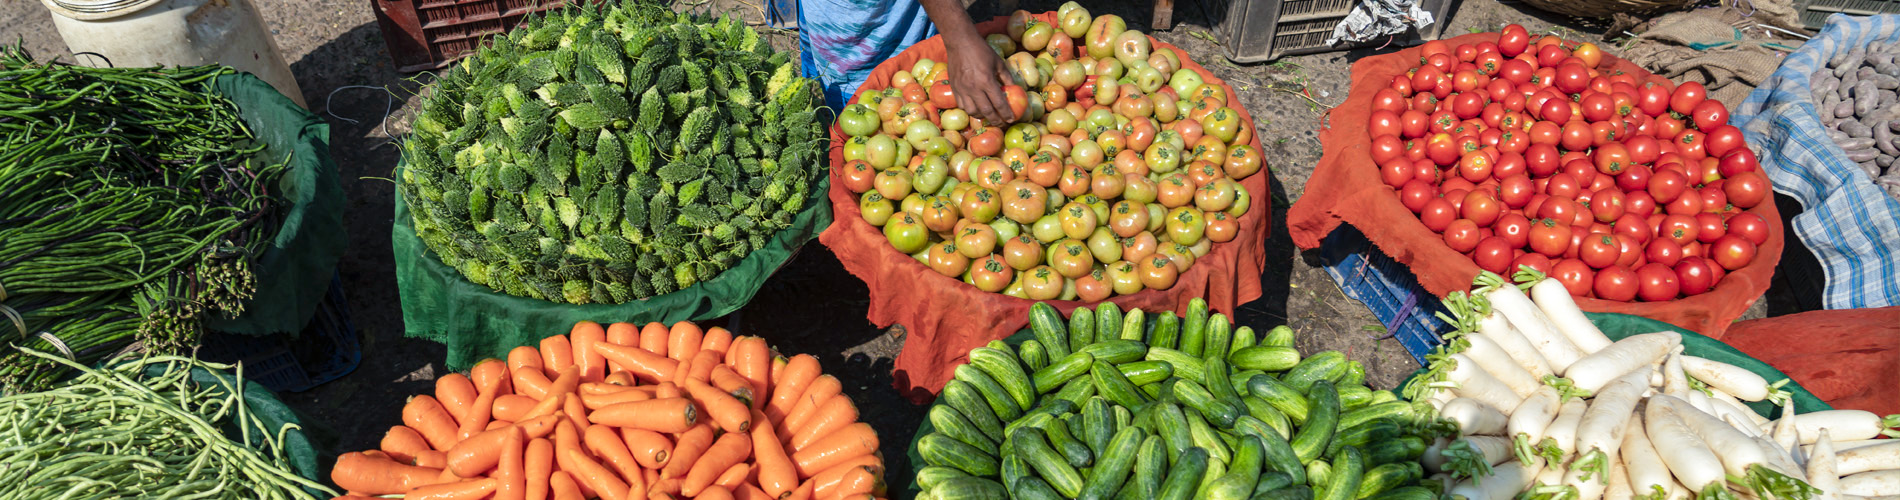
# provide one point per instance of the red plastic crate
(429, 34)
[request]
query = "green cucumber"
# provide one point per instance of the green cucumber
(1112, 470)
(1117, 351)
(1364, 435)
(1279, 336)
(1184, 478)
(1146, 372)
(1407, 493)
(993, 393)
(1185, 366)
(1353, 397)
(1348, 471)
(1123, 416)
(1385, 477)
(1031, 445)
(1081, 328)
(1171, 423)
(1061, 371)
(1098, 424)
(1204, 436)
(1167, 334)
(1215, 469)
(1271, 480)
(1311, 439)
(929, 476)
(1240, 378)
(1008, 372)
(1134, 324)
(1110, 383)
(968, 488)
(1218, 382)
(1403, 449)
(1220, 337)
(1064, 442)
(938, 449)
(970, 403)
(1265, 357)
(951, 423)
(1242, 473)
(1108, 321)
(1288, 400)
(1050, 407)
(1402, 411)
(1355, 374)
(1221, 413)
(1034, 488)
(1383, 396)
(1014, 470)
(1049, 328)
(1298, 492)
(1151, 466)
(1323, 366)
(1033, 355)
(1278, 455)
(1194, 328)
(1318, 472)
(1077, 391)
(1266, 413)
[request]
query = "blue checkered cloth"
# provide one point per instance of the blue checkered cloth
(1851, 225)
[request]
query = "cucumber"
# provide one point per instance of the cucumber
(1205, 437)
(1081, 328)
(1167, 332)
(1171, 423)
(1355, 374)
(1364, 435)
(968, 488)
(1271, 480)
(1110, 383)
(1258, 408)
(1277, 453)
(1311, 439)
(1098, 424)
(1146, 372)
(1318, 472)
(1218, 382)
(1215, 469)
(1064, 442)
(1403, 449)
(1194, 328)
(1077, 391)
(1386, 477)
(1030, 444)
(1008, 372)
(1123, 417)
(1050, 407)
(1015, 470)
(1279, 336)
(1108, 321)
(1134, 324)
(1407, 493)
(1348, 471)
(1033, 355)
(1184, 478)
(1220, 337)
(1243, 338)
(1152, 390)
(1242, 473)
(1353, 397)
(951, 423)
(1240, 378)
(1220, 413)
(938, 449)
(1049, 328)
(1112, 470)
(1383, 396)
(993, 393)
(1265, 357)
(1402, 411)
(1116, 352)
(1185, 366)
(929, 476)
(1151, 466)
(1034, 488)
(1288, 400)
(1322, 366)
(967, 401)
(1061, 371)
(1300, 492)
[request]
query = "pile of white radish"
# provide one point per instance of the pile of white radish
(1548, 408)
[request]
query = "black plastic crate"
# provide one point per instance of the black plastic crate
(1263, 30)
(1814, 12)
(326, 349)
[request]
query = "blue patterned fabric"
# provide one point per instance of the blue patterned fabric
(1851, 225)
(841, 41)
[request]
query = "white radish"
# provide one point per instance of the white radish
(1739, 453)
(1779, 458)
(1840, 446)
(1785, 434)
(1698, 400)
(1674, 380)
(1503, 484)
(1866, 458)
(1472, 382)
(1531, 419)
(1742, 409)
(1872, 484)
(1679, 492)
(1560, 439)
(1846, 425)
(1494, 360)
(1495, 327)
(1473, 416)
(1619, 488)
(1586, 485)
(1530, 321)
(1733, 417)
(1690, 460)
(1434, 458)
(1600, 432)
(1649, 477)
(1823, 467)
(1475, 456)
(1630, 354)
(1551, 476)
(1743, 384)
(1555, 301)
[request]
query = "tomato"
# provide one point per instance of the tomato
(1709, 227)
(1723, 139)
(1732, 252)
(1663, 250)
(1093, 287)
(1536, 261)
(1157, 272)
(859, 120)
(1122, 277)
(1640, 203)
(1549, 55)
(1691, 144)
(1401, 84)
(1576, 276)
(1481, 208)
(1709, 115)
(1631, 252)
(1042, 283)
(1656, 282)
(1222, 228)
(1186, 225)
(1562, 184)
(947, 260)
(1599, 250)
(1438, 214)
(1741, 160)
(1633, 226)
(1635, 177)
(1077, 220)
(1461, 235)
(1693, 275)
(1475, 167)
(1687, 96)
(1242, 161)
(1667, 185)
(1388, 100)
(1416, 194)
(1679, 228)
(990, 274)
(1560, 208)
(1572, 78)
(1598, 107)
(906, 233)
(1615, 283)
(1575, 136)
(1022, 252)
(1541, 159)
(858, 176)
(939, 214)
(1550, 237)
(1589, 54)
(1746, 189)
(1071, 258)
(1749, 226)
(1653, 98)
(1688, 204)
(1493, 254)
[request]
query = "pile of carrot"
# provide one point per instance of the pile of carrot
(627, 412)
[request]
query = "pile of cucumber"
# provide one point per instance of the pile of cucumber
(1106, 405)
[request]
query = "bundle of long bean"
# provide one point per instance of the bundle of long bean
(141, 428)
(131, 204)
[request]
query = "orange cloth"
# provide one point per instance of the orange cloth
(1346, 187)
(1848, 357)
(945, 318)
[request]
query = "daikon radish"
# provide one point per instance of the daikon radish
(1689, 459)
(1734, 417)
(1823, 467)
(1496, 327)
(1780, 459)
(1624, 356)
(1619, 488)
(1649, 476)
(1504, 482)
(1872, 484)
(1741, 408)
(1560, 439)
(1530, 420)
(1785, 434)
(1472, 382)
(1585, 485)
(1600, 432)
(1845, 425)
(1742, 384)
(1674, 380)
(1530, 321)
(1740, 455)
(1475, 456)
(1434, 458)
(1473, 416)
(1840, 446)
(1555, 301)
(1868, 458)
(1500, 364)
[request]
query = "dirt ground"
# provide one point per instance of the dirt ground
(812, 305)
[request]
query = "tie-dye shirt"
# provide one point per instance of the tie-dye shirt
(841, 41)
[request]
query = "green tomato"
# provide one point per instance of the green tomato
(1107, 89)
(931, 175)
(1162, 156)
(949, 183)
(881, 151)
(1186, 225)
(904, 152)
(1104, 246)
(921, 131)
(923, 66)
(859, 120)
(1048, 229)
(1149, 79)
(1242, 201)
(937, 146)
(875, 207)
(1171, 138)
(1022, 136)
(1006, 229)
(854, 147)
(955, 119)
(1185, 82)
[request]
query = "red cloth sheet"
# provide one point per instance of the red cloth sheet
(1848, 357)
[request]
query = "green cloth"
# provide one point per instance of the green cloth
(294, 272)
(477, 322)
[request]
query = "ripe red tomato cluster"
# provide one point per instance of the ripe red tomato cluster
(1533, 152)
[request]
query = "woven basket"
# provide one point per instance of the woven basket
(1605, 8)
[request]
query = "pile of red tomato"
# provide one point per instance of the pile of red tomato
(1535, 152)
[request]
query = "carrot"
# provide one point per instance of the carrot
(653, 338)
(596, 402)
(723, 378)
(648, 447)
(700, 368)
(620, 377)
(804, 492)
(658, 495)
(540, 427)
(591, 474)
(548, 406)
(465, 490)
(557, 353)
(428, 417)
(447, 476)
(776, 473)
(669, 415)
(750, 492)
(576, 412)
(755, 364)
(725, 410)
(600, 388)
(778, 369)
(567, 437)
(645, 365)
(378, 476)
(667, 487)
(569, 379)
(476, 417)
(523, 357)
(845, 444)
(537, 463)
(490, 375)
(682, 341)
(511, 476)
(650, 476)
(715, 492)
(821, 390)
(512, 407)
(857, 481)
(686, 450)
(831, 416)
(497, 424)
(476, 455)
(583, 336)
(627, 334)
(828, 479)
(739, 473)
(798, 374)
(456, 393)
(729, 449)
(564, 487)
(530, 381)
(403, 444)
(603, 442)
(716, 339)
(433, 459)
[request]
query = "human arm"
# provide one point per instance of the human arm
(977, 74)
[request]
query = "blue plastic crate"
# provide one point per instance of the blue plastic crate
(325, 350)
(1408, 312)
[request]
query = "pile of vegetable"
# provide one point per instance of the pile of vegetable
(611, 152)
(142, 428)
(1536, 153)
(1120, 172)
(1554, 409)
(628, 412)
(1120, 406)
(133, 202)
(1855, 96)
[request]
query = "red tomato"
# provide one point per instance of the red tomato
(1536, 261)
(1475, 167)
(1576, 136)
(1749, 226)
(1438, 214)
(1480, 207)
(1607, 205)
(1385, 123)
(1425, 170)
(1514, 228)
(1634, 178)
(1396, 172)
(1709, 115)
(1401, 84)
(1694, 276)
(1576, 276)
(1632, 251)
(1599, 250)
(1687, 96)
(1550, 55)
(1689, 204)
(1515, 191)
(859, 176)
(1709, 227)
(1722, 139)
(1667, 185)
(1732, 252)
(1468, 105)
(1642, 149)
(1656, 282)
(1388, 100)
(1681, 229)
(1513, 40)
(1611, 159)
(1746, 189)
(1737, 162)
(1714, 200)
(1634, 227)
(1692, 144)
(1615, 283)
(1653, 98)
(1442, 150)
(1542, 158)
(1572, 78)
(1461, 235)
(1494, 113)
(1509, 164)
(1550, 237)
(1426, 79)
(1598, 107)
(1416, 194)
(1493, 254)
(1386, 148)
(1663, 250)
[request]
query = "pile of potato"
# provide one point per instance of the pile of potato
(1856, 98)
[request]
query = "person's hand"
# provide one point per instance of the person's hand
(977, 76)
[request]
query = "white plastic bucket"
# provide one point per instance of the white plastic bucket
(137, 33)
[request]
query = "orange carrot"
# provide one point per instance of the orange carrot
(563, 486)
(725, 379)
(490, 375)
(824, 481)
(620, 376)
(569, 379)
(798, 374)
(845, 444)
(601, 388)
(653, 338)
(523, 357)
(433, 459)
(512, 407)
(428, 417)
(557, 353)
(403, 444)
(755, 364)
(603, 442)
(378, 476)
(577, 412)
(682, 341)
(667, 390)
(583, 336)
(447, 476)
(537, 463)
(739, 473)
(465, 490)
(776, 474)
(645, 365)
(716, 339)
(857, 481)
(669, 415)
(714, 492)
(659, 495)
(729, 449)
(497, 424)
(831, 416)
(701, 366)
(804, 492)
(627, 334)
(456, 393)
(596, 402)
(668, 487)
(727, 411)
(511, 476)
(821, 390)
(591, 474)
(778, 369)
(530, 381)
(548, 406)
(476, 417)
(377, 454)
(687, 449)
(539, 427)
(750, 492)
(476, 455)
(648, 447)
(566, 437)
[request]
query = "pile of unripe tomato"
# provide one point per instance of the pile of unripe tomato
(1534, 152)
(1121, 170)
